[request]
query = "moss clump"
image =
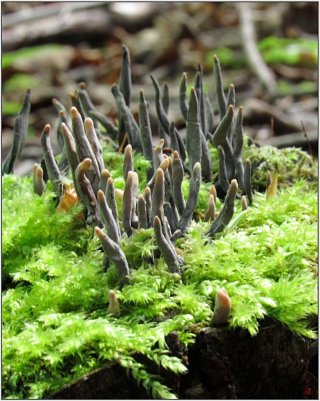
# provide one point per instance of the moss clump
(289, 163)
(55, 314)
(30, 222)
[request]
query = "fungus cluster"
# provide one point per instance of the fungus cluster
(161, 204)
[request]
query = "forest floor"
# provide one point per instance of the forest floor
(51, 54)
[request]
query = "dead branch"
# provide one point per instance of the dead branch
(264, 74)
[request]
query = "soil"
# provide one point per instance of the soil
(223, 363)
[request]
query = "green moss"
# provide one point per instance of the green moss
(269, 245)
(21, 82)
(289, 51)
(10, 108)
(290, 163)
(10, 58)
(304, 87)
(30, 222)
(55, 322)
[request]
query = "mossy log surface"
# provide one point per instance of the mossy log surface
(223, 363)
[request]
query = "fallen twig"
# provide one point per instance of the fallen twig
(249, 43)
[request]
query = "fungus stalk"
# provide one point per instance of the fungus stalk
(50, 162)
(128, 161)
(222, 308)
(226, 213)
(84, 149)
(87, 194)
(19, 134)
(129, 219)
(222, 103)
(183, 102)
(115, 253)
(177, 178)
(220, 138)
(94, 142)
(192, 200)
(167, 250)
(193, 131)
(111, 201)
(237, 150)
(105, 174)
(247, 181)
(131, 127)
(142, 212)
(107, 218)
(39, 185)
(145, 132)
(72, 157)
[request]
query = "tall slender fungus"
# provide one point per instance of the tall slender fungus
(231, 97)
(19, 134)
(50, 162)
(247, 181)
(115, 253)
(105, 174)
(226, 212)
(220, 137)
(222, 103)
(129, 218)
(194, 188)
(142, 212)
(84, 149)
(209, 114)
(125, 84)
(111, 201)
(167, 250)
(131, 128)
(165, 103)
(145, 132)
(177, 178)
(223, 175)
(158, 195)
(87, 194)
(183, 102)
(85, 100)
(107, 218)
(147, 198)
(128, 161)
(94, 142)
(193, 131)
(237, 149)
